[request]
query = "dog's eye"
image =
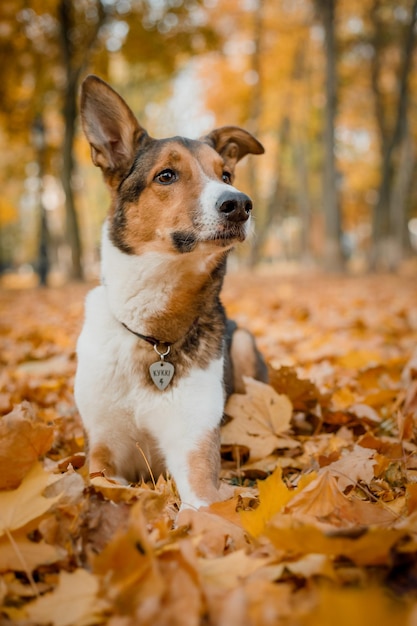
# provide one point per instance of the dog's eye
(166, 177)
(227, 178)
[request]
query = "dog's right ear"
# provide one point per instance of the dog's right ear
(111, 128)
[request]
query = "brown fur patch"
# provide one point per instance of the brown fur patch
(101, 460)
(204, 467)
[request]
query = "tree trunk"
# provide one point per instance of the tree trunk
(303, 197)
(333, 257)
(385, 219)
(74, 65)
(255, 111)
(400, 194)
(275, 203)
(68, 169)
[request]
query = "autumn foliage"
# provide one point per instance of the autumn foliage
(321, 528)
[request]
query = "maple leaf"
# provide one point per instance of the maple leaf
(26, 503)
(354, 465)
(229, 571)
(366, 547)
(23, 436)
(303, 393)
(22, 551)
(323, 501)
(273, 496)
(259, 416)
(74, 601)
(212, 532)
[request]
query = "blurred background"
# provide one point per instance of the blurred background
(328, 86)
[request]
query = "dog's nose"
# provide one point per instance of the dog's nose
(234, 205)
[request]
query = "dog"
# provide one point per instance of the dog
(156, 355)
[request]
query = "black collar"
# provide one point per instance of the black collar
(154, 342)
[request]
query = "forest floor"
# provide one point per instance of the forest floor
(322, 528)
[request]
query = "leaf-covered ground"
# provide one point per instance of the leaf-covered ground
(322, 528)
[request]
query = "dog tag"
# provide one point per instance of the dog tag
(161, 373)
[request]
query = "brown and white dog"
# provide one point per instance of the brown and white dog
(153, 355)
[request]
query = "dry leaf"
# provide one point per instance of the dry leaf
(74, 601)
(230, 570)
(20, 506)
(353, 465)
(365, 547)
(211, 533)
(23, 436)
(20, 553)
(273, 496)
(361, 607)
(259, 417)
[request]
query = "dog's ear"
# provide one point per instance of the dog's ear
(233, 143)
(110, 126)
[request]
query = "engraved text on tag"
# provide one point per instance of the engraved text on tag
(161, 373)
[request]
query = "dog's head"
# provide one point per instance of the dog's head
(168, 194)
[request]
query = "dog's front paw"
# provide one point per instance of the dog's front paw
(223, 492)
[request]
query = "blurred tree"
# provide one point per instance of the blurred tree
(333, 256)
(330, 98)
(78, 33)
(394, 36)
(55, 41)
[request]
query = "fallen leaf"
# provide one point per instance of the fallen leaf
(273, 496)
(361, 607)
(364, 547)
(20, 506)
(353, 465)
(259, 416)
(229, 571)
(23, 436)
(211, 533)
(74, 601)
(21, 553)
(304, 394)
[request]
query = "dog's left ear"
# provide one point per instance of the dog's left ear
(233, 143)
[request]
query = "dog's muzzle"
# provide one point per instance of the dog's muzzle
(235, 206)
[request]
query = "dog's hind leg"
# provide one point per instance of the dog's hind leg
(244, 359)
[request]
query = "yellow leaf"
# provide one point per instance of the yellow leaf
(342, 399)
(20, 506)
(360, 607)
(358, 359)
(372, 547)
(74, 601)
(273, 496)
(22, 551)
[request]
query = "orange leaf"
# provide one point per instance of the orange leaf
(23, 436)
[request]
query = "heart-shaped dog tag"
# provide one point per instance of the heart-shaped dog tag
(161, 373)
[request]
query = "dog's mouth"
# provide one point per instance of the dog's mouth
(228, 236)
(223, 236)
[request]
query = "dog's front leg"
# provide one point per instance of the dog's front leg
(195, 469)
